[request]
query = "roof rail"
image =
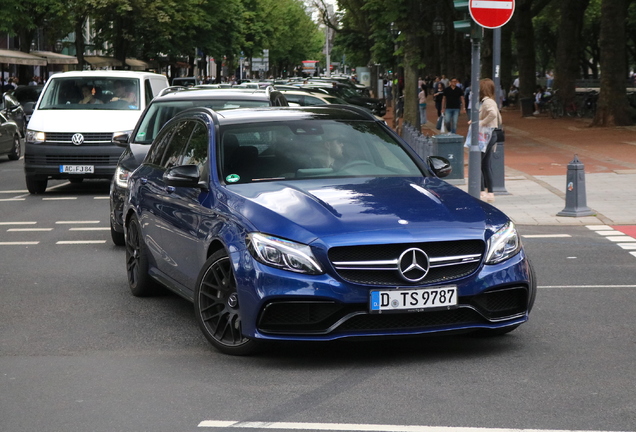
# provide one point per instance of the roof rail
(171, 89)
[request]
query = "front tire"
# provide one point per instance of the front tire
(217, 309)
(36, 185)
(119, 239)
(16, 150)
(139, 280)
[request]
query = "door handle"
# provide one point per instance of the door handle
(170, 189)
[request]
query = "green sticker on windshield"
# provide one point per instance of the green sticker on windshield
(232, 178)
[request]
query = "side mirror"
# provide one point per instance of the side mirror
(440, 166)
(121, 139)
(182, 176)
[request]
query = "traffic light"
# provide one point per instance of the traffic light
(466, 25)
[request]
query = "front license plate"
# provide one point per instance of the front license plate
(403, 300)
(77, 169)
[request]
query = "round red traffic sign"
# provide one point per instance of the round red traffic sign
(491, 13)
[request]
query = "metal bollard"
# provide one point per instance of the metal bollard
(498, 171)
(575, 201)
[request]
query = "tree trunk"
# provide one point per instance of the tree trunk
(612, 102)
(506, 57)
(524, 34)
(566, 70)
(486, 55)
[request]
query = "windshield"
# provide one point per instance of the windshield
(310, 149)
(92, 93)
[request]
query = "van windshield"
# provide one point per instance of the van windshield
(92, 93)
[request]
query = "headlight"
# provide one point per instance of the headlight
(283, 254)
(35, 137)
(121, 177)
(504, 244)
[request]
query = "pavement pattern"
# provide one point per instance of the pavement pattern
(537, 152)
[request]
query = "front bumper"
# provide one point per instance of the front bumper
(44, 161)
(279, 306)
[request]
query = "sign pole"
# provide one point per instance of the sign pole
(474, 156)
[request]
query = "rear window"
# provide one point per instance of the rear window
(92, 93)
(160, 112)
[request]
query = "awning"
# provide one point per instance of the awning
(20, 58)
(102, 61)
(137, 64)
(56, 58)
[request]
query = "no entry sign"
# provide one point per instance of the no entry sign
(491, 13)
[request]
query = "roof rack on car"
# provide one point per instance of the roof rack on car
(171, 89)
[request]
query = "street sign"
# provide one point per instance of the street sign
(491, 13)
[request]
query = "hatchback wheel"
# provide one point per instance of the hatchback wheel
(139, 281)
(16, 150)
(217, 308)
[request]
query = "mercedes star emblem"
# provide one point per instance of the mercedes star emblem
(413, 264)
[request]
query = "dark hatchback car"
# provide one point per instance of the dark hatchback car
(315, 224)
(162, 109)
(10, 143)
(13, 110)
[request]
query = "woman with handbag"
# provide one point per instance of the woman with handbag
(489, 121)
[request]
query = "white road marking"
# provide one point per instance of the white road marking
(546, 236)
(101, 197)
(79, 242)
(585, 286)
(18, 223)
(28, 229)
(13, 191)
(90, 229)
(599, 227)
(360, 427)
(621, 238)
(627, 245)
(77, 222)
(19, 243)
(607, 232)
(59, 199)
(12, 199)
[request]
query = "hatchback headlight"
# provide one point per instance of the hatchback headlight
(121, 177)
(503, 244)
(35, 137)
(283, 254)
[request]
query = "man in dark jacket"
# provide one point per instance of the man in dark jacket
(452, 105)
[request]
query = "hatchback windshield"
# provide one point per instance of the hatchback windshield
(309, 149)
(92, 93)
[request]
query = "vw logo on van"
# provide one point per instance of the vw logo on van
(77, 139)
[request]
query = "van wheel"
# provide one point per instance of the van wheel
(36, 185)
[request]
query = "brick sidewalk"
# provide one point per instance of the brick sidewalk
(537, 152)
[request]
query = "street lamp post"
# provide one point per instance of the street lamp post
(438, 30)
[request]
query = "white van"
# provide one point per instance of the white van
(70, 134)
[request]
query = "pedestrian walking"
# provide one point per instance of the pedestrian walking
(422, 99)
(452, 105)
(438, 97)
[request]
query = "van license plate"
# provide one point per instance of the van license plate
(77, 169)
(403, 300)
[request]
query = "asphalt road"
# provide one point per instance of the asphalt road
(79, 353)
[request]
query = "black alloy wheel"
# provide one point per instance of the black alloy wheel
(16, 150)
(216, 306)
(139, 281)
(36, 185)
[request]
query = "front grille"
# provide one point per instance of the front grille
(377, 264)
(327, 317)
(90, 139)
(81, 160)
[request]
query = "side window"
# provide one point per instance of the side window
(148, 91)
(196, 152)
(178, 142)
(310, 100)
(158, 147)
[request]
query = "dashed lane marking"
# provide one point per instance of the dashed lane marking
(28, 229)
(546, 236)
(77, 222)
(18, 223)
(90, 229)
(59, 199)
(623, 236)
(79, 242)
(25, 243)
(360, 427)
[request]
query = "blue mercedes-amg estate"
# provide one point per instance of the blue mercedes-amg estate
(316, 224)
